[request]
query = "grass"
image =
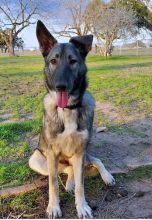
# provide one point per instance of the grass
(14, 151)
(113, 79)
(126, 129)
(124, 82)
(21, 85)
(137, 174)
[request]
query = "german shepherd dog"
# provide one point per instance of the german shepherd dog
(67, 121)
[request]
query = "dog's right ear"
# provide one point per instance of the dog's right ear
(46, 40)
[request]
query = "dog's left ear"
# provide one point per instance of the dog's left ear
(83, 43)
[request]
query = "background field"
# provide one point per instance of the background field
(122, 87)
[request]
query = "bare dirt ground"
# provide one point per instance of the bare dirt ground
(134, 202)
(126, 146)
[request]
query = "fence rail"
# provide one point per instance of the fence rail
(121, 51)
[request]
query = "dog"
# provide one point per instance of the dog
(67, 121)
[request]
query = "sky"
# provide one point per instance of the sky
(29, 37)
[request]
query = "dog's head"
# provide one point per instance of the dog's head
(65, 69)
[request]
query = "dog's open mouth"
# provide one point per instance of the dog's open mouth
(62, 99)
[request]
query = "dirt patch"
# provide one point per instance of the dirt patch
(9, 118)
(121, 152)
(124, 147)
(108, 111)
(136, 204)
(112, 113)
(34, 141)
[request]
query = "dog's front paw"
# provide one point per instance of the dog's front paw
(108, 178)
(84, 211)
(54, 211)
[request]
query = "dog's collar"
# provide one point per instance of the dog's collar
(78, 105)
(71, 107)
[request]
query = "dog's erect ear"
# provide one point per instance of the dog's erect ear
(83, 43)
(46, 40)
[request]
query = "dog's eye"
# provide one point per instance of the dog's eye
(54, 61)
(73, 61)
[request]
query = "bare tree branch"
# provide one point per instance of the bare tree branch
(75, 23)
(16, 19)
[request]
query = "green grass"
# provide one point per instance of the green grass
(19, 204)
(126, 129)
(137, 174)
(21, 83)
(14, 152)
(124, 82)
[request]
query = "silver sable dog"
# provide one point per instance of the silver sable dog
(67, 121)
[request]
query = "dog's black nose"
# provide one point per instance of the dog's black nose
(61, 87)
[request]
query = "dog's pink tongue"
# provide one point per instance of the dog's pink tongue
(62, 99)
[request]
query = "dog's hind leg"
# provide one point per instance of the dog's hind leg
(106, 176)
(70, 183)
(38, 163)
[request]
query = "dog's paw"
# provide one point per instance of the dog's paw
(108, 178)
(70, 186)
(54, 211)
(84, 211)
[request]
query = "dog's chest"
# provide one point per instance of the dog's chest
(70, 140)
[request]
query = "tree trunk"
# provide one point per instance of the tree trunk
(5, 49)
(11, 49)
(10, 45)
(109, 51)
(108, 47)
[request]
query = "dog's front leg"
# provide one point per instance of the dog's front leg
(53, 208)
(83, 210)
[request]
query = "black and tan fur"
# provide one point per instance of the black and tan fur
(66, 132)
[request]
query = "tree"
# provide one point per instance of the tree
(16, 15)
(18, 42)
(141, 10)
(73, 15)
(3, 46)
(109, 23)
